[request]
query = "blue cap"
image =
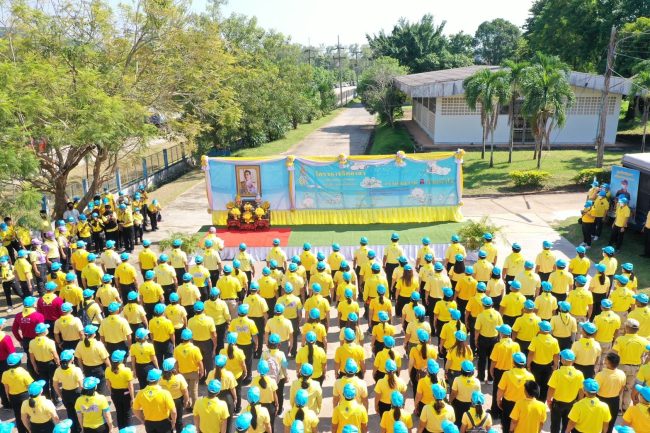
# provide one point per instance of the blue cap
(272, 263)
(90, 382)
(263, 367)
(642, 298)
(336, 247)
(107, 278)
(396, 399)
(168, 364)
(348, 334)
(22, 254)
(390, 366)
(644, 391)
(214, 386)
(403, 260)
(198, 260)
(243, 309)
(177, 243)
(14, 358)
(602, 193)
(455, 238)
(564, 306)
(438, 266)
(623, 200)
(306, 369)
(419, 311)
(67, 355)
(114, 307)
(515, 285)
(546, 245)
(487, 301)
(187, 277)
(528, 264)
(432, 366)
(589, 203)
(381, 289)
(274, 339)
(487, 236)
(372, 254)
(469, 270)
(363, 240)
(132, 296)
(622, 279)
(349, 391)
(351, 366)
(460, 335)
(227, 269)
(544, 326)
(253, 394)
(56, 266)
(589, 328)
(383, 316)
(375, 267)
(560, 263)
(29, 301)
(623, 429)
(299, 427)
(529, 305)
(118, 355)
(609, 250)
(455, 314)
(243, 421)
(389, 341)
(478, 398)
(628, 267)
(310, 337)
(439, 392)
(482, 254)
(568, 355)
(154, 375)
(400, 427)
(606, 303)
(276, 242)
(423, 335)
(159, 309)
(91, 257)
(428, 257)
(516, 247)
(581, 250)
(36, 388)
(519, 358)
(459, 257)
(110, 244)
(199, 306)
(87, 293)
(448, 292)
(146, 243)
(481, 287)
(467, 366)
(288, 287)
(90, 329)
(163, 258)
(302, 397)
(426, 241)
(292, 267)
(504, 329)
(279, 308)
(64, 426)
(50, 286)
(581, 280)
(590, 386)
(221, 360)
(141, 333)
(231, 338)
(448, 427)
(41, 328)
(394, 237)
(415, 296)
(496, 270)
(124, 257)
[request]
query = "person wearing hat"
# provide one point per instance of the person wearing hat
(465, 288)
(24, 272)
(350, 376)
(437, 413)
(638, 416)
(292, 311)
(68, 329)
(580, 264)
(90, 311)
(79, 258)
(496, 287)
(177, 386)
(277, 253)
(429, 377)
(55, 275)
(589, 415)
(561, 280)
(599, 287)
(256, 417)
(190, 362)
(268, 288)
(114, 330)
(462, 388)
(107, 294)
(608, 324)
(38, 259)
(392, 252)
(296, 280)
(120, 383)
(212, 261)
(178, 259)
(545, 303)
(322, 277)
(310, 353)
(512, 304)
(543, 356)
(267, 387)
(610, 262)
(486, 335)
(627, 269)
(581, 300)
(611, 381)
(632, 348)
(447, 335)
(300, 419)
(49, 305)
(366, 269)
(230, 288)
(313, 388)
(526, 326)
(16, 381)
(530, 281)
(385, 386)
(599, 211)
(91, 274)
(125, 222)
(200, 277)
(109, 258)
(44, 358)
(501, 360)
(349, 349)
(204, 334)
(282, 327)
(153, 211)
(277, 361)
(165, 275)
(528, 414)
(134, 314)
(83, 229)
(442, 311)
(346, 281)
(349, 412)
(545, 261)
(388, 352)
(163, 334)
(456, 355)
(143, 356)
(247, 337)
(622, 297)
(513, 264)
(476, 417)
(38, 414)
(563, 388)
(411, 332)
(25, 323)
(125, 276)
(433, 286)
(236, 364)
(154, 406)
(452, 251)
(229, 388)
(308, 259)
(457, 270)
(511, 387)
(621, 219)
(397, 418)
(316, 301)
(408, 313)
(641, 313)
(588, 223)
(352, 322)
(564, 326)
(93, 409)
(587, 350)
(188, 294)
(68, 382)
(371, 288)
(378, 333)
(8, 279)
(258, 313)
(473, 309)
(147, 259)
(426, 272)
(335, 258)
(483, 267)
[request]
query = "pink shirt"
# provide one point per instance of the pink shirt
(23, 327)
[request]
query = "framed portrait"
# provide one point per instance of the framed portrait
(249, 182)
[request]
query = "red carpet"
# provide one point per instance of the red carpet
(255, 238)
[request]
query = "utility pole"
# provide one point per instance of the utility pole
(338, 49)
(602, 120)
(309, 51)
(356, 66)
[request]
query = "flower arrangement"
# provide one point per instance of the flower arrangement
(343, 160)
(399, 158)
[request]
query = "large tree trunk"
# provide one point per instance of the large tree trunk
(484, 140)
(492, 148)
(60, 197)
(511, 145)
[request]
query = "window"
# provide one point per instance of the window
(456, 107)
(590, 105)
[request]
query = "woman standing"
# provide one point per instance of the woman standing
(458, 354)
(411, 333)
(236, 364)
(16, 380)
(93, 356)
(462, 390)
(260, 417)
(67, 382)
(143, 356)
(385, 387)
(436, 413)
(395, 414)
(311, 354)
(228, 393)
(476, 415)
(378, 369)
(406, 285)
(423, 392)
(380, 332)
(92, 408)
(419, 358)
(134, 314)
(211, 413)
(120, 384)
(44, 357)
(38, 413)
(268, 388)
(380, 303)
(313, 388)
(278, 359)
(177, 386)
(299, 412)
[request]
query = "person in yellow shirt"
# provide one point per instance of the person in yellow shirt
(621, 218)
(371, 291)
(622, 298)
(581, 300)
(454, 249)
(292, 419)
(513, 264)
(529, 414)
(512, 304)
(530, 281)
(486, 335)
(120, 383)
(627, 269)
(125, 276)
(511, 388)
(109, 258)
(163, 334)
(189, 294)
(114, 330)
(405, 285)
(175, 383)
(526, 326)
(44, 358)
(150, 293)
(165, 275)
(212, 260)
(230, 288)
(437, 415)
(563, 389)
(600, 209)
(588, 223)
(293, 312)
(483, 267)
(200, 277)
(587, 350)
(335, 258)
(580, 264)
(396, 419)
(107, 294)
(277, 253)
(632, 349)
(390, 261)
(154, 406)
(564, 325)
(589, 414)
(501, 360)
(247, 337)
(599, 287)
(462, 388)
(349, 412)
(612, 382)
(543, 356)
(68, 329)
(8, 279)
(24, 272)
(641, 313)
(16, 380)
(211, 413)
(91, 275)
(545, 303)
(93, 409)
(146, 258)
(608, 324)
(92, 355)
(561, 280)
(545, 261)
(190, 363)
(79, 258)
(178, 259)
(465, 288)
(68, 382)
(638, 416)
(456, 356)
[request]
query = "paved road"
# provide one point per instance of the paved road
(348, 133)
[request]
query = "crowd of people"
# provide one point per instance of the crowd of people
(164, 335)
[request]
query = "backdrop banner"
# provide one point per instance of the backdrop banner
(625, 183)
(344, 189)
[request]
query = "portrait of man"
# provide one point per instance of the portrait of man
(248, 180)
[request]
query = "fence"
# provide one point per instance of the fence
(151, 170)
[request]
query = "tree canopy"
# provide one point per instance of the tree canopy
(496, 41)
(377, 91)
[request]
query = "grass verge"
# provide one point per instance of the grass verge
(388, 141)
(632, 247)
(170, 191)
(293, 137)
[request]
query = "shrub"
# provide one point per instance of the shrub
(587, 176)
(190, 242)
(472, 233)
(529, 178)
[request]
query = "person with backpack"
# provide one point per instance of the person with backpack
(476, 419)
(91, 312)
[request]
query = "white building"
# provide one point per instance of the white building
(439, 108)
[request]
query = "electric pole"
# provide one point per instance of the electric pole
(309, 50)
(338, 49)
(602, 120)
(356, 66)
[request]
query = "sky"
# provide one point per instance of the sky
(320, 21)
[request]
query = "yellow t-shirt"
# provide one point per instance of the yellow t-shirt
(349, 350)
(642, 314)
(512, 304)
(600, 207)
(318, 301)
(115, 329)
(234, 364)
(257, 305)
(631, 348)
(164, 274)
(151, 292)
(42, 348)
(143, 353)
(147, 259)
(580, 300)
(134, 313)
(308, 259)
(441, 310)
(292, 305)
(383, 389)
(200, 275)
(349, 413)
(529, 414)
(70, 378)
(465, 386)
(17, 380)
(514, 264)
(161, 329)
(587, 351)
(310, 419)
(69, 327)
(388, 424)
(579, 265)
(125, 273)
(92, 410)
(512, 383)
(121, 379)
(526, 326)
(453, 250)
(107, 294)
(611, 382)
(563, 325)
(175, 385)
(545, 261)
(72, 293)
(268, 287)
(561, 280)
(454, 359)
(546, 305)
(202, 327)
(229, 287)
(608, 323)
(318, 329)
(279, 325)
(638, 417)
(622, 299)
(245, 329)
(188, 295)
(502, 353)
(383, 356)
(483, 269)
(189, 357)
(93, 355)
(567, 382)
(227, 379)
(433, 420)
(155, 402)
(545, 348)
(392, 252)
(590, 414)
(178, 315)
(622, 216)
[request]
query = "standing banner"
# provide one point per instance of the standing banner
(344, 189)
(625, 183)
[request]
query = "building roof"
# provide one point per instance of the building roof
(639, 161)
(449, 82)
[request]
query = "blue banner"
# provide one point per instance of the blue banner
(381, 183)
(625, 183)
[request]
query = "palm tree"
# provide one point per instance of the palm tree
(547, 95)
(641, 81)
(515, 78)
(491, 90)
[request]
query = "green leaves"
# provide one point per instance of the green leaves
(496, 41)
(377, 91)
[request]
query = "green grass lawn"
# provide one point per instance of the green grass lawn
(562, 164)
(388, 141)
(632, 247)
(293, 137)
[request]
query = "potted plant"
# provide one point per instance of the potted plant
(472, 235)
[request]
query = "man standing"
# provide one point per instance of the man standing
(631, 347)
(154, 406)
(621, 219)
(589, 415)
(563, 388)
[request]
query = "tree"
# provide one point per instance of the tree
(514, 78)
(496, 41)
(419, 46)
(641, 86)
(547, 95)
(377, 91)
(489, 91)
